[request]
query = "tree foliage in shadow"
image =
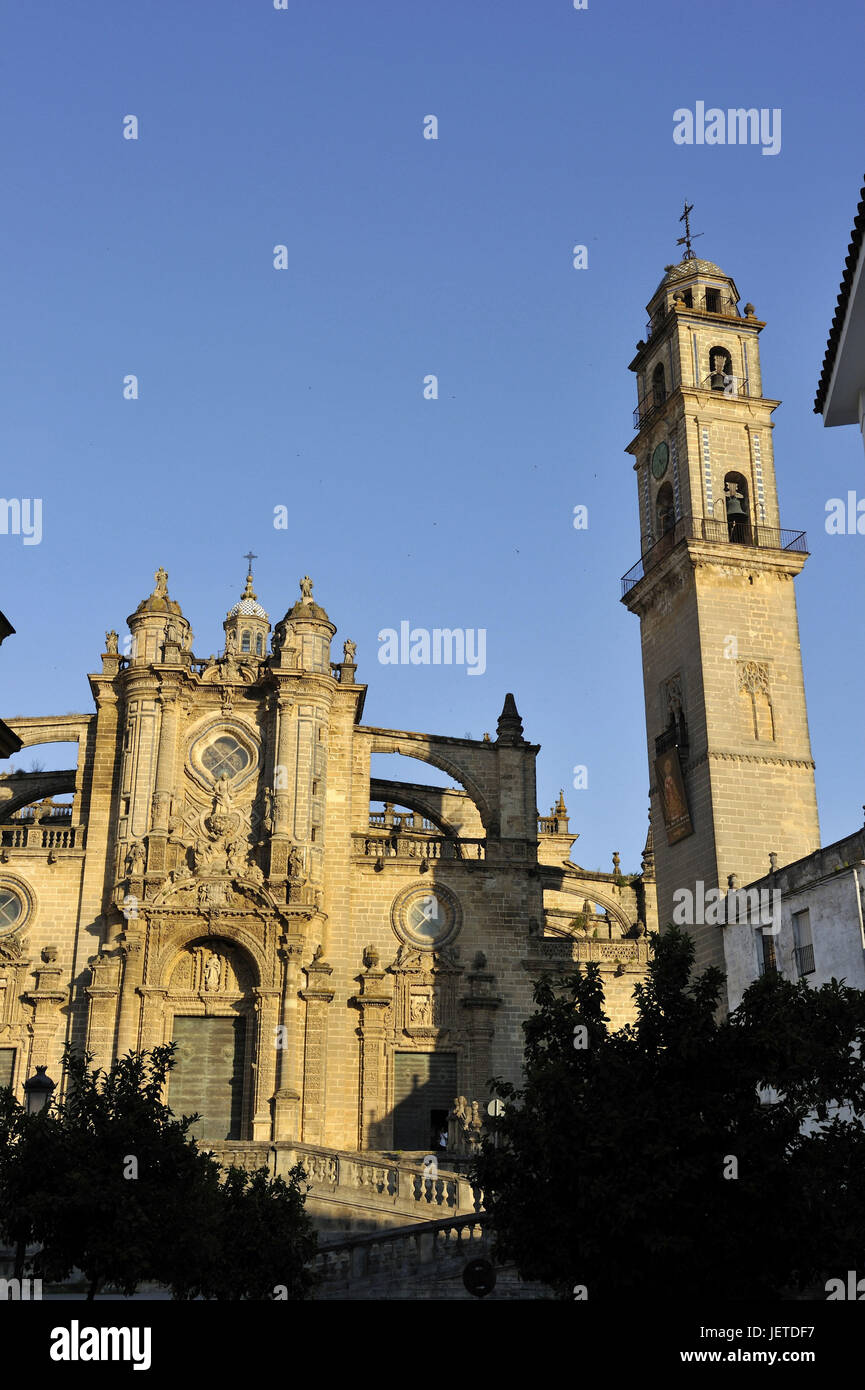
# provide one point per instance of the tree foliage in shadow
(683, 1156)
(108, 1182)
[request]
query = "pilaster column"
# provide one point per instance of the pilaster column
(318, 995)
(103, 993)
(281, 807)
(164, 784)
(49, 994)
(132, 956)
(373, 1001)
(286, 1101)
(481, 1005)
(267, 1015)
(152, 1031)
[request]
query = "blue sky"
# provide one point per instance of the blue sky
(303, 388)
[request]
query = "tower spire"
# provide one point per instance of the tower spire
(248, 593)
(687, 238)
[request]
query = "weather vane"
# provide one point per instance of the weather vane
(686, 239)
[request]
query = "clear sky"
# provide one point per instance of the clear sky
(303, 387)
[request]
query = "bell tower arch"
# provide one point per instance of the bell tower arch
(731, 771)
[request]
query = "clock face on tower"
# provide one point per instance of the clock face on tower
(660, 459)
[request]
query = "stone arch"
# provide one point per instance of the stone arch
(720, 368)
(665, 509)
(26, 787)
(424, 801)
(581, 891)
(444, 756)
(659, 385)
(199, 928)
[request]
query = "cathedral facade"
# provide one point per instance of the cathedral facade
(338, 957)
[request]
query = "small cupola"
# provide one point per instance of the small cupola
(302, 638)
(160, 633)
(247, 625)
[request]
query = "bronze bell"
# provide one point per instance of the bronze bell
(735, 508)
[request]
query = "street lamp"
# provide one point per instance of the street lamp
(38, 1090)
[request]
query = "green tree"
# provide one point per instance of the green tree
(655, 1160)
(259, 1242)
(108, 1181)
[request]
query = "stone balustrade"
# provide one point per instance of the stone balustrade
(368, 1181)
(24, 834)
(385, 1256)
(399, 845)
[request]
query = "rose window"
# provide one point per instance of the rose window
(225, 757)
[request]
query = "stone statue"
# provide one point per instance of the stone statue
(135, 860)
(461, 1109)
(212, 971)
(236, 859)
(205, 853)
(161, 577)
(111, 643)
(348, 651)
(306, 587)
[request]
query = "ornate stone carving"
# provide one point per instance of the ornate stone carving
(11, 947)
(134, 863)
(212, 973)
(753, 677)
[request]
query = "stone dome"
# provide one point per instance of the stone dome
(685, 269)
(159, 601)
(248, 608)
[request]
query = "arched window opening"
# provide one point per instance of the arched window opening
(246, 640)
(738, 512)
(259, 645)
(720, 369)
(659, 387)
(665, 511)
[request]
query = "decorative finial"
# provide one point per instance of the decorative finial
(509, 729)
(560, 807)
(688, 237)
(249, 591)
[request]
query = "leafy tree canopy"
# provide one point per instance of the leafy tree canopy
(684, 1155)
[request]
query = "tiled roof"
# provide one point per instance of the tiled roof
(843, 299)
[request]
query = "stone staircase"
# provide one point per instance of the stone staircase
(415, 1263)
(355, 1192)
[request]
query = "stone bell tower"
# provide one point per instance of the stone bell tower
(731, 772)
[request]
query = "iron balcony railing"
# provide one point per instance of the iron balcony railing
(648, 408)
(704, 528)
(804, 959)
(722, 383)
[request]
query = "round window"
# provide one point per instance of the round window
(225, 757)
(426, 918)
(11, 910)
